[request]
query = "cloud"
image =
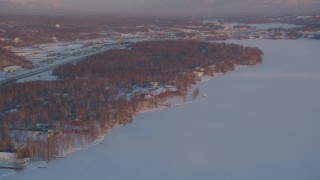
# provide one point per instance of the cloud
(32, 3)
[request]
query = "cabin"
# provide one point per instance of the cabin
(12, 68)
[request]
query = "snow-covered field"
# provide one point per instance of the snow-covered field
(257, 123)
(45, 76)
(46, 57)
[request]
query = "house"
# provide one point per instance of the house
(170, 88)
(199, 69)
(7, 48)
(53, 132)
(43, 126)
(10, 161)
(147, 96)
(12, 68)
(211, 67)
(154, 84)
(23, 54)
(11, 111)
(16, 40)
(19, 52)
(39, 57)
(55, 39)
(198, 74)
(7, 156)
(157, 91)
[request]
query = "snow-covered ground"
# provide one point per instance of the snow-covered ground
(46, 57)
(45, 76)
(256, 123)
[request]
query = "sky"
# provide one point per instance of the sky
(157, 6)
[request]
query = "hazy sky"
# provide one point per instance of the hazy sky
(158, 6)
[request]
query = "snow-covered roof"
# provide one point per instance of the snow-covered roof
(12, 68)
(7, 155)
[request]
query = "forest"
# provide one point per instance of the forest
(44, 119)
(33, 30)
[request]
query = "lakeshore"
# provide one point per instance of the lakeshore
(258, 122)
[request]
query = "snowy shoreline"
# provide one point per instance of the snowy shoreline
(174, 101)
(246, 129)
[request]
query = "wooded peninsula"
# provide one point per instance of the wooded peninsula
(44, 119)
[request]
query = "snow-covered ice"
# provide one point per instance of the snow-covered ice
(257, 123)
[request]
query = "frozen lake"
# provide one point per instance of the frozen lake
(258, 123)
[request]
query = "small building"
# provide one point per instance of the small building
(43, 126)
(211, 67)
(154, 84)
(199, 69)
(16, 40)
(10, 160)
(12, 68)
(7, 156)
(21, 53)
(40, 57)
(53, 132)
(157, 91)
(198, 74)
(170, 88)
(55, 39)
(147, 96)
(7, 48)
(12, 111)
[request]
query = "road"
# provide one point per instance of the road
(52, 67)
